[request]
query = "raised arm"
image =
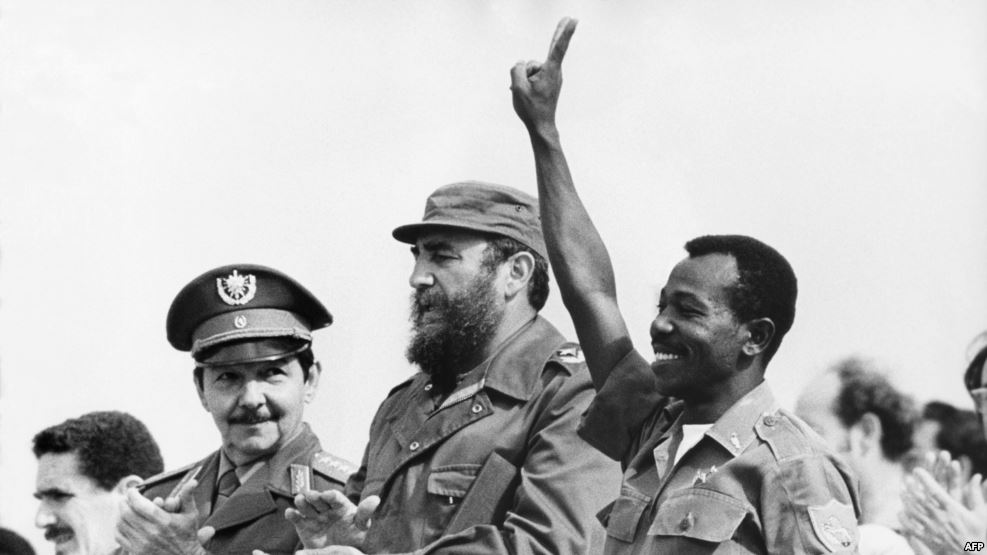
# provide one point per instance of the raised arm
(576, 251)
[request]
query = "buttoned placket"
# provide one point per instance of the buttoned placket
(422, 437)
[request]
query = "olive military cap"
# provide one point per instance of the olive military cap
(244, 313)
(482, 207)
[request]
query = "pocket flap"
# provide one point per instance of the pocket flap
(701, 514)
(625, 514)
(490, 496)
(452, 481)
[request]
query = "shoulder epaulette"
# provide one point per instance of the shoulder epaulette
(179, 473)
(332, 467)
(784, 438)
(570, 356)
(401, 385)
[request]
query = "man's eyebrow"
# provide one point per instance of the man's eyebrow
(50, 492)
(688, 296)
(437, 245)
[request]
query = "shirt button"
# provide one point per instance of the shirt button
(687, 522)
(414, 445)
(770, 420)
(428, 387)
(477, 408)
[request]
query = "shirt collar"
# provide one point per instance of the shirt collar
(735, 429)
(288, 452)
(515, 368)
(243, 472)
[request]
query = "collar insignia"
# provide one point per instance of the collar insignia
(735, 441)
(235, 289)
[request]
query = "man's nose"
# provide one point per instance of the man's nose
(421, 275)
(252, 395)
(44, 517)
(661, 325)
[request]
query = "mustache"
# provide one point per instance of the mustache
(424, 300)
(249, 418)
(52, 531)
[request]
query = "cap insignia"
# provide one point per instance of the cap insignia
(235, 289)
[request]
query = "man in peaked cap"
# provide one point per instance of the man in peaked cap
(477, 452)
(249, 330)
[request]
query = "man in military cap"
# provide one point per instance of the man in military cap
(712, 464)
(477, 453)
(249, 330)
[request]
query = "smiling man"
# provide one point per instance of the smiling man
(85, 466)
(249, 330)
(712, 464)
(477, 453)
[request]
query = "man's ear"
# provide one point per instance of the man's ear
(126, 483)
(868, 434)
(312, 383)
(520, 268)
(760, 332)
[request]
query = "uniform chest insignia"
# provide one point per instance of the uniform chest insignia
(235, 289)
(703, 475)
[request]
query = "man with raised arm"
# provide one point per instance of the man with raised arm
(711, 463)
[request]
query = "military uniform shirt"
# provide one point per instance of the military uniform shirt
(758, 481)
(497, 466)
(253, 516)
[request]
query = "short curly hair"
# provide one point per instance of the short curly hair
(959, 433)
(766, 285)
(865, 390)
(110, 445)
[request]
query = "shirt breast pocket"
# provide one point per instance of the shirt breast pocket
(700, 514)
(625, 514)
(452, 481)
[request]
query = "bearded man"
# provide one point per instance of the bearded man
(477, 452)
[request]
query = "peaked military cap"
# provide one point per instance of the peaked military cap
(483, 207)
(244, 313)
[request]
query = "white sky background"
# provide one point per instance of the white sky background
(144, 143)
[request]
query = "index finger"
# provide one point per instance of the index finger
(140, 506)
(186, 499)
(560, 42)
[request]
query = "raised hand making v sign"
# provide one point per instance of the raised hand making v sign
(709, 458)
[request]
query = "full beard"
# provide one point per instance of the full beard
(459, 328)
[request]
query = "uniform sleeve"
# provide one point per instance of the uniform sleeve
(627, 399)
(808, 506)
(563, 484)
(356, 482)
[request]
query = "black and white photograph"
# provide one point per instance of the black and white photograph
(492, 277)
